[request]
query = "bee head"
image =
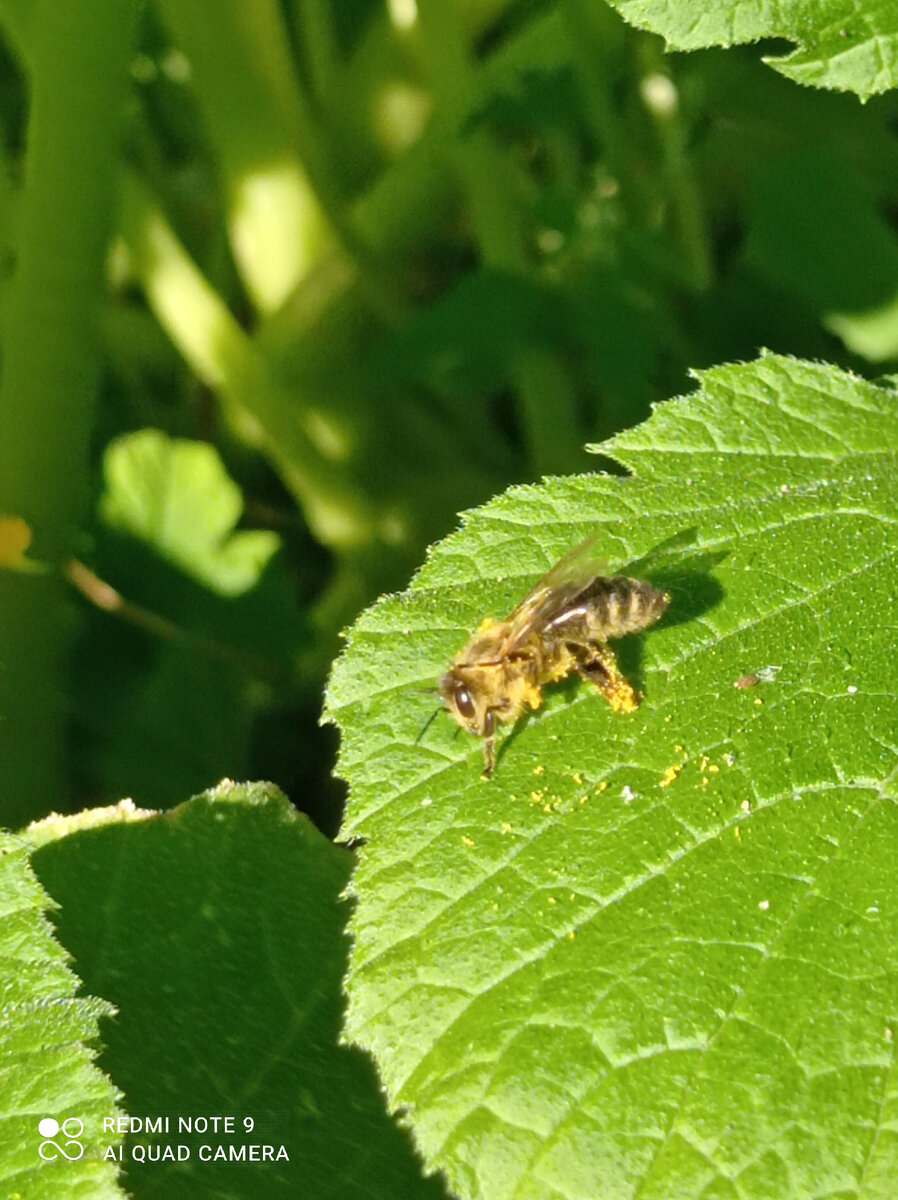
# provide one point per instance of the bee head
(466, 703)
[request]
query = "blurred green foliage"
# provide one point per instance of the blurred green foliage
(386, 259)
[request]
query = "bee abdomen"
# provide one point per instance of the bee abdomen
(623, 605)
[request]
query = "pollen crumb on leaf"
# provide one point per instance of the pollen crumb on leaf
(539, 769)
(670, 775)
(466, 841)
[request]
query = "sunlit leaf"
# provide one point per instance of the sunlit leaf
(654, 955)
(841, 45)
(47, 1074)
(177, 496)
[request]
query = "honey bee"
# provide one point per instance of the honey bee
(563, 625)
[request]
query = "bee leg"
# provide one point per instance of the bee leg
(489, 754)
(489, 744)
(598, 665)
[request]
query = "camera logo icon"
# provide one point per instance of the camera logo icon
(68, 1145)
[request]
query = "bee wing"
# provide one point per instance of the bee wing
(556, 592)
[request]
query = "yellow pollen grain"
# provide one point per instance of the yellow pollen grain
(539, 769)
(466, 841)
(713, 769)
(670, 775)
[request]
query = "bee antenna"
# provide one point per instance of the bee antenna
(430, 720)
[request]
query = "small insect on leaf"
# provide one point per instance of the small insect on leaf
(562, 625)
(764, 675)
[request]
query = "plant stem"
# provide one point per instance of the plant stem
(245, 84)
(547, 403)
(223, 356)
(78, 54)
(661, 99)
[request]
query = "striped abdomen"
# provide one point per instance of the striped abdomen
(611, 607)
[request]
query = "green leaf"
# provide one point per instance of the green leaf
(164, 702)
(177, 496)
(218, 932)
(654, 955)
(46, 1069)
(845, 46)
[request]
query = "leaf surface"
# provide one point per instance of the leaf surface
(176, 495)
(655, 955)
(840, 45)
(47, 1071)
(218, 931)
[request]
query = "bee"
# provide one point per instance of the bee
(563, 625)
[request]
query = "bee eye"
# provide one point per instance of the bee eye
(464, 703)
